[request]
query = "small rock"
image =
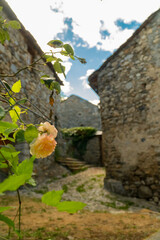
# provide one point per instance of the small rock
(156, 199)
(144, 192)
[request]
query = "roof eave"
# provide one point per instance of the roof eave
(31, 41)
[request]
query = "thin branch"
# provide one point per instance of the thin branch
(3, 238)
(38, 109)
(42, 116)
(19, 215)
(22, 69)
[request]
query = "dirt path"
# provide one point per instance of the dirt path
(106, 217)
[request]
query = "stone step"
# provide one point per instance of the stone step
(74, 164)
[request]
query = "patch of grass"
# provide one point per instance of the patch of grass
(93, 179)
(113, 204)
(73, 183)
(36, 199)
(43, 210)
(65, 175)
(80, 188)
(42, 233)
(41, 191)
(90, 187)
(52, 180)
(100, 175)
(65, 188)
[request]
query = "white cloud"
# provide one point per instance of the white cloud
(84, 78)
(67, 88)
(44, 24)
(88, 24)
(95, 101)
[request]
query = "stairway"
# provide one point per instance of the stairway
(74, 164)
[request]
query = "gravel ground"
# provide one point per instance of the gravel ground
(87, 187)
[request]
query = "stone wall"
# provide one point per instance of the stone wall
(91, 155)
(14, 55)
(18, 53)
(76, 112)
(129, 89)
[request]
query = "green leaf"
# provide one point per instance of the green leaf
(51, 59)
(57, 87)
(31, 133)
(15, 113)
(12, 101)
(64, 53)
(12, 183)
(2, 209)
(59, 68)
(45, 76)
(70, 207)
(16, 86)
(72, 57)
(68, 49)
(1, 8)
(55, 43)
(4, 35)
(7, 220)
(51, 84)
(22, 101)
(2, 112)
(25, 167)
(6, 127)
(19, 136)
(52, 198)
(32, 182)
(7, 85)
(13, 24)
(11, 154)
(3, 165)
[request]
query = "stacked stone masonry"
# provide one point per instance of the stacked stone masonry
(76, 112)
(14, 55)
(129, 90)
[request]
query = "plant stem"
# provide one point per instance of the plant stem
(3, 238)
(38, 110)
(22, 69)
(42, 116)
(19, 212)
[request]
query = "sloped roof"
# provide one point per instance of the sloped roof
(33, 46)
(93, 77)
(80, 99)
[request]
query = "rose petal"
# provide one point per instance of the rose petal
(43, 146)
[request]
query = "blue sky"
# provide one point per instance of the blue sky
(95, 29)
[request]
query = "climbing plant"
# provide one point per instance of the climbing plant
(40, 136)
(79, 137)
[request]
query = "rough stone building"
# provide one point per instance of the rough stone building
(22, 50)
(128, 84)
(76, 112)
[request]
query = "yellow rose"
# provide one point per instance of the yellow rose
(47, 127)
(43, 145)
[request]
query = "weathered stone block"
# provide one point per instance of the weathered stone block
(145, 192)
(114, 186)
